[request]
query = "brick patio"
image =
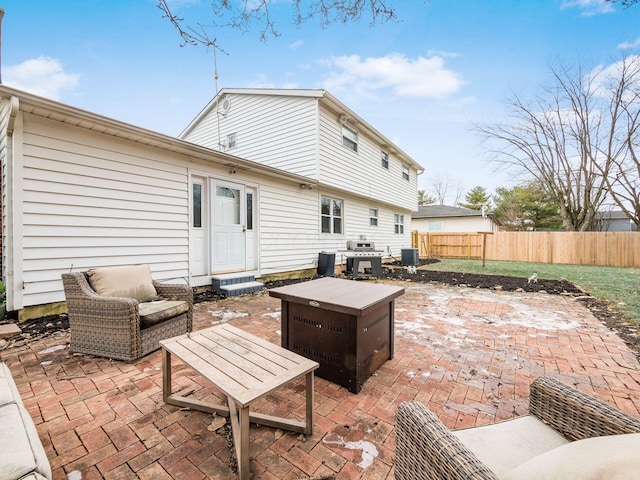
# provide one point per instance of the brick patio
(468, 354)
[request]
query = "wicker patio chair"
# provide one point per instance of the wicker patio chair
(427, 449)
(112, 326)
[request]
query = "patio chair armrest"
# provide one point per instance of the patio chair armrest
(426, 448)
(577, 415)
(174, 290)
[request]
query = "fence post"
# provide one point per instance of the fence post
(484, 246)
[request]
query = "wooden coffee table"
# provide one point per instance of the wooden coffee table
(245, 368)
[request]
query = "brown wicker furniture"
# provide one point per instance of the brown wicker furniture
(113, 327)
(425, 448)
(245, 368)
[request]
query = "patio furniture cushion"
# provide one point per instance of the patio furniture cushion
(22, 454)
(612, 457)
(505, 445)
(126, 281)
(155, 312)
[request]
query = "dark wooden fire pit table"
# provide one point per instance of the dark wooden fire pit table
(344, 325)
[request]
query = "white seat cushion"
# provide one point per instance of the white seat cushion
(613, 457)
(506, 445)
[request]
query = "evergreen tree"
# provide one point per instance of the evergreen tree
(476, 198)
(425, 199)
(526, 207)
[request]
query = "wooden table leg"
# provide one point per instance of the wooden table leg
(308, 430)
(240, 429)
(166, 375)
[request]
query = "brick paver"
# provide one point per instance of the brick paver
(470, 355)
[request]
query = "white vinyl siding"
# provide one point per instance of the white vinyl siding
(90, 200)
(278, 131)
(360, 173)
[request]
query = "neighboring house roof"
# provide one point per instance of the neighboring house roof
(612, 215)
(441, 211)
(44, 107)
(323, 97)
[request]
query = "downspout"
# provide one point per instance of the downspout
(12, 208)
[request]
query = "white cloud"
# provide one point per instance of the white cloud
(420, 77)
(589, 7)
(629, 45)
(295, 45)
(604, 76)
(43, 76)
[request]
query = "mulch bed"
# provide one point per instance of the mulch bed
(602, 310)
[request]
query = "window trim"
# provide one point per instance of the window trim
(406, 172)
(350, 143)
(373, 218)
(331, 216)
(384, 159)
(232, 140)
(398, 223)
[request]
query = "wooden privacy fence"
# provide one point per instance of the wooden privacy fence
(615, 249)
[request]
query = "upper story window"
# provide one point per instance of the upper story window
(373, 217)
(385, 160)
(398, 222)
(331, 215)
(231, 140)
(405, 172)
(349, 138)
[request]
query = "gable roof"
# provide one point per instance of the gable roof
(440, 211)
(325, 98)
(40, 106)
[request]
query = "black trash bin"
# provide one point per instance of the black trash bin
(410, 256)
(326, 264)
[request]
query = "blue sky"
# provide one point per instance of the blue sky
(422, 81)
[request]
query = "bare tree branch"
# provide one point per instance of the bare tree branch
(245, 15)
(578, 140)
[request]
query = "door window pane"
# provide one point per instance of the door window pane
(196, 193)
(249, 211)
(227, 206)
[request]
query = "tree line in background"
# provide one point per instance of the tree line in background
(520, 208)
(576, 144)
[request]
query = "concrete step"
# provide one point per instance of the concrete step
(241, 288)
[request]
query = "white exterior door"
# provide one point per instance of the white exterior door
(228, 227)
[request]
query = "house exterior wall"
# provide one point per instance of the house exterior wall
(85, 199)
(453, 224)
(300, 135)
(361, 172)
(91, 200)
(278, 131)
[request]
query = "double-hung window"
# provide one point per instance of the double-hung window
(398, 223)
(385, 160)
(405, 172)
(231, 140)
(349, 138)
(331, 214)
(373, 217)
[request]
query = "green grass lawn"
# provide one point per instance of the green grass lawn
(620, 286)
